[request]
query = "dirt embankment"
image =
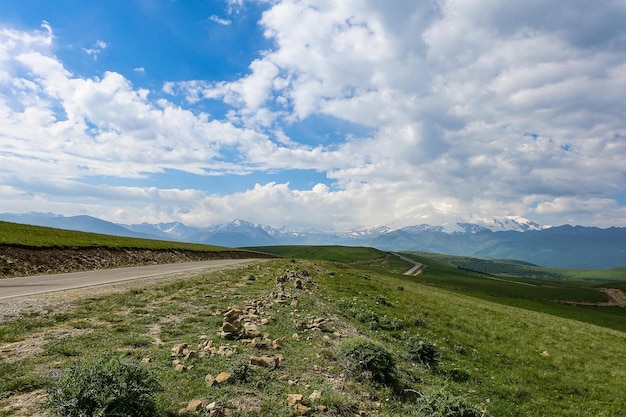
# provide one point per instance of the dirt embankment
(21, 261)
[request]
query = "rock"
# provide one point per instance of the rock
(180, 368)
(234, 327)
(209, 380)
(321, 408)
(264, 361)
(190, 354)
(179, 349)
(232, 314)
(251, 330)
(295, 303)
(302, 409)
(293, 399)
(197, 404)
(316, 395)
(295, 336)
(226, 351)
(277, 344)
(297, 284)
(222, 377)
(146, 360)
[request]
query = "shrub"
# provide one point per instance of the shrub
(422, 351)
(104, 387)
(442, 404)
(368, 360)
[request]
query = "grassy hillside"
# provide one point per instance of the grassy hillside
(325, 253)
(445, 352)
(525, 269)
(40, 237)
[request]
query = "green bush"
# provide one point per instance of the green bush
(368, 360)
(442, 404)
(103, 387)
(422, 351)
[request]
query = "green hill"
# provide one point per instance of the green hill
(356, 336)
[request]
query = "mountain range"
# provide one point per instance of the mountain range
(500, 238)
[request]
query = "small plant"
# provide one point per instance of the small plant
(422, 351)
(442, 404)
(105, 387)
(241, 371)
(368, 360)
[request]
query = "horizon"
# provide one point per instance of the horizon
(335, 116)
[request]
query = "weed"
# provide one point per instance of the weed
(443, 404)
(105, 387)
(422, 351)
(368, 360)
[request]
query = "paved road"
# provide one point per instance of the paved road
(37, 284)
(416, 265)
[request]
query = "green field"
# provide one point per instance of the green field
(503, 348)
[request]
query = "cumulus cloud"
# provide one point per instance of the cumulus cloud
(490, 108)
(220, 21)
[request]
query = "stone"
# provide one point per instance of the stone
(293, 399)
(232, 314)
(180, 368)
(251, 329)
(277, 344)
(264, 361)
(179, 349)
(146, 360)
(209, 380)
(226, 351)
(222, 377)
(265, 321)
(302, 409)
(295, 336)
(231, 327)
(190, 354)
(316, 395)
(197, 404)
(295, 303)
(297, 284)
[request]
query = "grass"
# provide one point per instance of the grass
(493, 358)
(528, 270)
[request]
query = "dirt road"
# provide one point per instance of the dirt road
(37, 284)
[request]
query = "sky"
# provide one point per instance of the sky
(314, 113)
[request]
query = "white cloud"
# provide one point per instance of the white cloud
(474, 107)
(220, 21)
(96, 50)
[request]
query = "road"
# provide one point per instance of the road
(37, 284)
(417, 267)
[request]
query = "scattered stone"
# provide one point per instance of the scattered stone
(545, 353)
(190, 354)
(226, 351)
(222, 377)
(295, 336)
(293, 399)
(197, 404)
(179, 349)
(180, 368)
(277, 344)
(302, 409)
(265, 361)
(265, 321)
(209, 380)
(146, 360)
(295, 303)
(316, 395)
(251, 330)
(297, 284)
(321, 408)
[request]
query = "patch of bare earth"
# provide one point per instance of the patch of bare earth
(23, 404)
(616, 296)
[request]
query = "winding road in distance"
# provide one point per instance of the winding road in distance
(37, 284)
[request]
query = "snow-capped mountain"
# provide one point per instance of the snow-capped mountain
(504, 237)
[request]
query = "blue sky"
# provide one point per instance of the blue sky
(304, 113)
